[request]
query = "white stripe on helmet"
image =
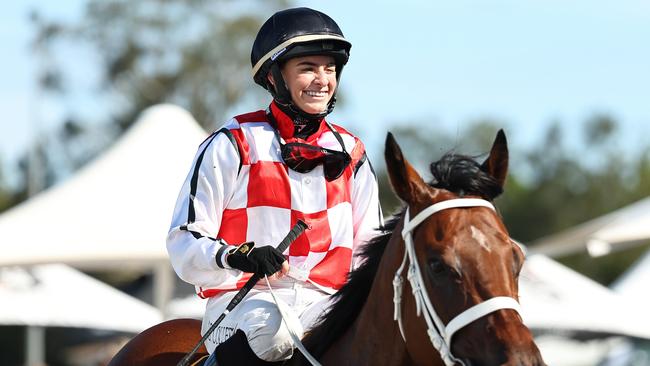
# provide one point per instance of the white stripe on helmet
(278, 50)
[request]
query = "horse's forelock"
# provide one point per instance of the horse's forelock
(462, 175)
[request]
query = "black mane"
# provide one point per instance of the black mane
(349, 300)
(459, 174)
(462, 175)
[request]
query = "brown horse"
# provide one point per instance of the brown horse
(467, 268)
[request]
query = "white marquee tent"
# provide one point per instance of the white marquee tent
(115, 211)
(40, 296)
(625, 227)
(554, 297)
(190, 306)
(58, 295)
(634, 283)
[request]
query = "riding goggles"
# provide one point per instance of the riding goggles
(303, 158)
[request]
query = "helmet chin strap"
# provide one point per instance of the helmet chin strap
(282, 96)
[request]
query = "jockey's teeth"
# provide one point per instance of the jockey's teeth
(315, 94)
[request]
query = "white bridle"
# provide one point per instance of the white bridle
(439, 334)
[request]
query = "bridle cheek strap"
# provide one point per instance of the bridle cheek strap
(439, 334)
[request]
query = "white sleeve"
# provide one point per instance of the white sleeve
(366, 211)
(191, 242)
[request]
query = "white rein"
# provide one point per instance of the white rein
(439, 334)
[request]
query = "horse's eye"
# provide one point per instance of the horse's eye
(436, 266)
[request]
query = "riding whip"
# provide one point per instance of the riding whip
(295, 231)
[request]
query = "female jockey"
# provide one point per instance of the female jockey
(256, 176)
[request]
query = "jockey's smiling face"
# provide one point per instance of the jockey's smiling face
(311, 80)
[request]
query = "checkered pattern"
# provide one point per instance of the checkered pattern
(257, 198)
(271, 199)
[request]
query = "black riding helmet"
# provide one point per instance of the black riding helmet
(292, 33)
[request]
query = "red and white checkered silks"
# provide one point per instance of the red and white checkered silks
(244, 192)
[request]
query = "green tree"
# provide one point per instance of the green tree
(5, 196)
(8, 196)
(551, 186)
(423, 149)
(192, 53)
(567, 187)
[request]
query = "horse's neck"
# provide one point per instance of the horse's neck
(374, 338)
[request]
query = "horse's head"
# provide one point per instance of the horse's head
(466, 260)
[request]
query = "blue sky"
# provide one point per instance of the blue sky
(526, 62)
(442, 64)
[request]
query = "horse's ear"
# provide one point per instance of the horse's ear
(496, 164)
(405, 180)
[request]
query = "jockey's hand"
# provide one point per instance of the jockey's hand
(264, 260)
